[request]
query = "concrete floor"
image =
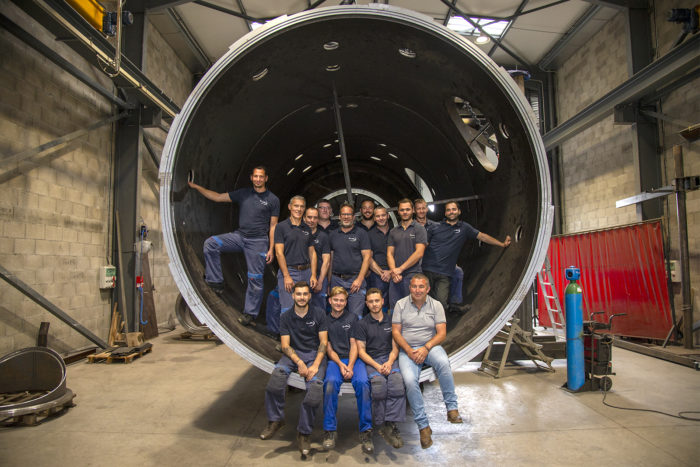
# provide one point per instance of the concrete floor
(198, 403)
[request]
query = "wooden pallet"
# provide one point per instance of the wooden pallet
(110, 355)
(35, 418)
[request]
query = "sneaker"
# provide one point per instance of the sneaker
(246, 320)
(304, 444)
(271, 429)
(391, 434)
(425, 440)
(329, 440)
(366, 440)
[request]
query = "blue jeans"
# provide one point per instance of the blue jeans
(286, 300)
(254, 249)
(331, 387)
(375, 280)
(276, 391)
(437, 358)
(356, 301)
(320, 300)
(399, 290)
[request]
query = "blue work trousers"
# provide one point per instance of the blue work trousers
(437, 358)
(272, 312)
(320, 299)
(391, 407)
(399, 290)
(286, 300)
(255, 251)
(456, 282)
(356, 301)
(274, 399)
(331, 388)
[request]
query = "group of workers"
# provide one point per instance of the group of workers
(387, 290)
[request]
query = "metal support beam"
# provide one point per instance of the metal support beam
(39, 299)
(57, 143)
(47, 52)
(518, 10)
(341, 144)
(568, 35)
(645, 141)
(63, 21)
(672, 66)
(621, 4)
(242, 8)
(468, 18)
(687, 306)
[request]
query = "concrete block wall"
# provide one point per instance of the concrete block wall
(55, 212)
(598, 166)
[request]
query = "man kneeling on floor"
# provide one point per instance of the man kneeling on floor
(378, 350)
(343, 365)
(419, 327)
(304, 338)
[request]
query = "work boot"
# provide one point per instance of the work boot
(246, 320)
(304, 444)
(425, 440)
(454, 417)
(459, 308)
(366, 441)
(391, 434)
(329, 440)
(271, 429)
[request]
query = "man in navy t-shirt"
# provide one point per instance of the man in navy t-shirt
(343, 365)
(446, 239)
(351, 253)
(380, 275)
(325, 211)
(323, 256)
(259, 210)
(296, 255)
(376, 347)
(304, 339)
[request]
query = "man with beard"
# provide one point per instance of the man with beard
(304, 339)
(377, 349)
(380, 275)
(350, 256)
(405, 248)
(446, 240)
(366, 215)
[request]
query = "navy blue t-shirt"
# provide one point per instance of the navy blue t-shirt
(375, 334)
(296, 240)
(303, 332)
(378, 240)
(404, 242)
(347, 250)
(446, 242)
(332, 226)
(321, 245)
(255, 210)
(363, 226)
(340, 332)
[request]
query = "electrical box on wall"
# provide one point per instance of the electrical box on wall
(108, 277)
(675, 268)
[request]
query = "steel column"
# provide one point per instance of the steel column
(687, 306)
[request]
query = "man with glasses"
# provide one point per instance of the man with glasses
(325, 211)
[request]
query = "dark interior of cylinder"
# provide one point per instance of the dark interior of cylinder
(396, 87)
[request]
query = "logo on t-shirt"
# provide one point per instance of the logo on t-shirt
(305, 232)
(387, 329)
(263, 202)
(316, 241)
(412, 235)
(457, 231)
(311, 323)
(347, 326)
(352, 238)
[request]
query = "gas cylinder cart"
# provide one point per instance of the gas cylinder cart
(597, 351)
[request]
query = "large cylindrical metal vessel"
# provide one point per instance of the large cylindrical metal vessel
(424, 113)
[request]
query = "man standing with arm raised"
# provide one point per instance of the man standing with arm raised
(259, 210)
(304, 339)
(419, 327)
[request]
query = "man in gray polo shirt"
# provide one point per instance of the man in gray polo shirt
(405, 247)
(418, 327)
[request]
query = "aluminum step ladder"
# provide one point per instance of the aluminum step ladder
(512, 333)
(551, 300)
